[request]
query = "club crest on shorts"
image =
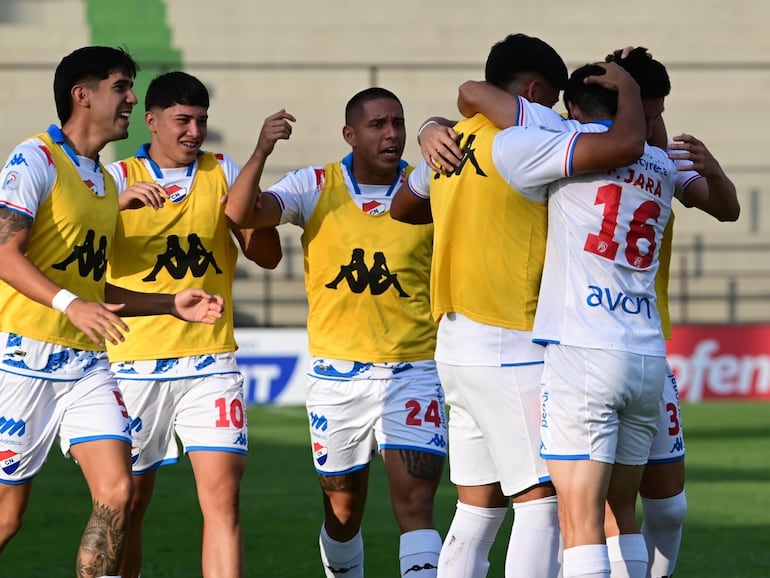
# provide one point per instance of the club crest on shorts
(9, 461)
(320, 453)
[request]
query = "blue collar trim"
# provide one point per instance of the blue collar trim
(144, 153)
(57, 136)
(348, 162)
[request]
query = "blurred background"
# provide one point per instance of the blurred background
(310, 57)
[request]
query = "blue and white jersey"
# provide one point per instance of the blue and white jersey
(604, 235)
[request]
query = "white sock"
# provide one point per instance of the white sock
(591, 561)
(342, 558)
(535, 541)
(628, 556)
(662, 531)
(418, 553)
(466, 548)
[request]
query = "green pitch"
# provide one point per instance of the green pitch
(727, 534)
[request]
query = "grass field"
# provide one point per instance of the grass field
(727, 534)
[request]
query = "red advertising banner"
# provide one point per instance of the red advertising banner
(720, 362)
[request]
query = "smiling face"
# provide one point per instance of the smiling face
(109, 103)
(178, 132)
(377, 135)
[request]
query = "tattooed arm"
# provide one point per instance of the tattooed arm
(17, 270)
(96, 320)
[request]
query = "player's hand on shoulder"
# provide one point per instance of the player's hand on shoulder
(686, 147)
(142, 194)
(198, 306)
(438, 145)
(276, 127)
(99, 321)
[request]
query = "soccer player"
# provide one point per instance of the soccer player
(710, 190)
(605, 355)
(505, 222)
(177, 379)
(58, 213)
(372, 381)
(705, 186)
(485, 305)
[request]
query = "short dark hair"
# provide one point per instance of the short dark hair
(649, 74)
(90, 63)
(592, 99)
(356, 104)
(170, 88)
(519, 53)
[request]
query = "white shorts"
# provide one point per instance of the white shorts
(207, 413)
(350, 419)
(668, 444)
(600, 405)
(494, 425)
(35, 411)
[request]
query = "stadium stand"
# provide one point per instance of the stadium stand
(310, 57)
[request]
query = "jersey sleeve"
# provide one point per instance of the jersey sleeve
(297, 193)
(537, 115)
(532, 157)
(27, 178)
(230, 168)
(419, 180)
(119, 174)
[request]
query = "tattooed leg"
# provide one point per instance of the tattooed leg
(344, 501)
(414, 477)
(103, 543)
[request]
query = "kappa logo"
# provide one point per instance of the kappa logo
(134, 455)
(90, 257)
(18, 159)
(418, 568)
(469, 156)
(241, 440)
(9, 461)
(342, 570)
(359, 276)
(438, 441)
(178, 262)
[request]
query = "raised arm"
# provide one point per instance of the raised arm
(246, 207)
(623, 143)
(499, 106)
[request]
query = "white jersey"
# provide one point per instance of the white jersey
(604, 232)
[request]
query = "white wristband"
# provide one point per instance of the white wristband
(62, 300)
(422, 127)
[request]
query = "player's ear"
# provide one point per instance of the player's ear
(80, 95)
(150, 120)
(349, 134)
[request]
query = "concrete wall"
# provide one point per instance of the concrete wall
(310, 57)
